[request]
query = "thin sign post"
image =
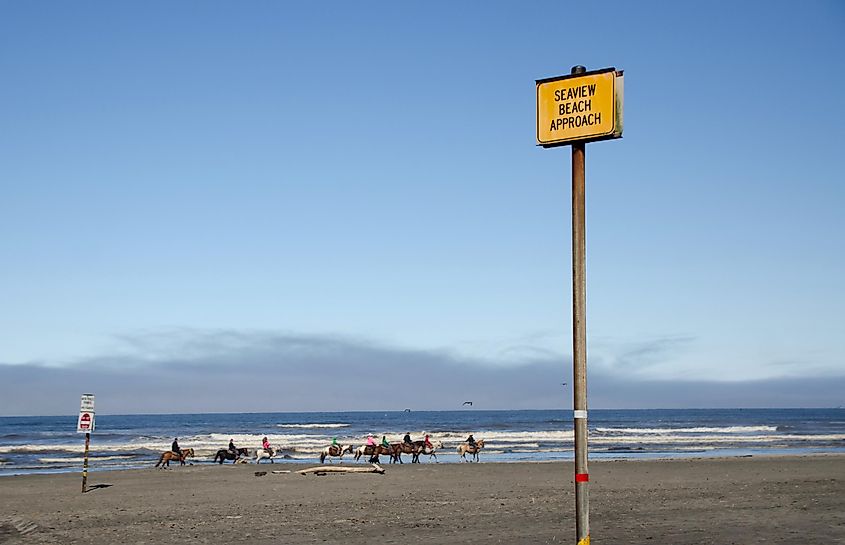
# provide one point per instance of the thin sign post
(85, 424)
(573, 110)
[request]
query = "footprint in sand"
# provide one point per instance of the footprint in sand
(14, 527)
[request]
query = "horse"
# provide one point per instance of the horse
(369, 450)
(166, 456)
(225, 454)
(261, 454)
(407, 448)
(425, 450)
(465, 448)
(373, 451)
(336, 451)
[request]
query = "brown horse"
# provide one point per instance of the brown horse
(336, 451)
(465, 448)
(426, 450)
(374, 451)
(164, 460)
(408, 448)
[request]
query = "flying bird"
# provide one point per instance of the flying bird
(468, 403)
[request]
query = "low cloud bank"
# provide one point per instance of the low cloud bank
(230, 371)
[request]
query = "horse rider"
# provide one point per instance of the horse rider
(384, 442)
(265, 444)
(370, 441)
(232, 448)
(471, 441)
(427, 443)
(175, 446)
(407, 439)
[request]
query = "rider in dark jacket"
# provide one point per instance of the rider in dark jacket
(175, 446)
(407, 439)
(232, 448)
(471, 441)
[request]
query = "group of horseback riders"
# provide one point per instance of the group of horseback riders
(236, 452)
(265, 444)
(385, 443)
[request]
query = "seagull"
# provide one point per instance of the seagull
(468, 403)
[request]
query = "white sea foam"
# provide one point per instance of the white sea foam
(705, 439)
(729, 429)
(80, 459)
(306, 426)
(207, 445)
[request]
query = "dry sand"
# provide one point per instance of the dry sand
(738, 500)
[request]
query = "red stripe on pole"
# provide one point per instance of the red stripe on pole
(582, 477)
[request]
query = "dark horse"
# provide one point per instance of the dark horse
(225, 454)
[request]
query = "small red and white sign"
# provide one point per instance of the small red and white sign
(85, 424)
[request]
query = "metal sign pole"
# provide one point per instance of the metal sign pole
(85, 423)
(579, 340)
(571, 110)
(85, 464)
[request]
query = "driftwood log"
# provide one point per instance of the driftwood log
(322, 470)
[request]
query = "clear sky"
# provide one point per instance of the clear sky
(279, 189)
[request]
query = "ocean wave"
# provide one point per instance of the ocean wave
(306, 426)
(207, 445)
(727, 429)
(80, 459)
(715, 439)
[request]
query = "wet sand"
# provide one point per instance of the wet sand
(735, 500)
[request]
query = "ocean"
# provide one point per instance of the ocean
(49, 444)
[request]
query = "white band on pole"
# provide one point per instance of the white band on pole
(580, 414)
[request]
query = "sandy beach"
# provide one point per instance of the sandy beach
(739, 500)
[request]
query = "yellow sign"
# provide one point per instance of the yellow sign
(579, 107)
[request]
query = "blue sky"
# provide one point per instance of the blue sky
(279, 172)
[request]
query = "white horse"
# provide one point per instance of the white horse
(261, 454)
(433, 450)
(336, 451)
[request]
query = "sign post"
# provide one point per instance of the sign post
(573, 110)
(85, 424)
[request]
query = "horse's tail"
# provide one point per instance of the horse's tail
(322, 456)
(160, 460)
